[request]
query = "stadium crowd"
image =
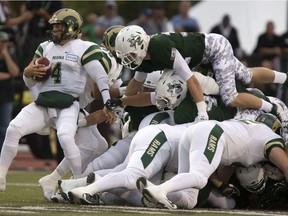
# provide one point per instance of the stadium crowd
(193, 123)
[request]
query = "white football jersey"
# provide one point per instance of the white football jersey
(245, 141)
(67, 61)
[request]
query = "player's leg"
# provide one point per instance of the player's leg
(66, 125)
(141, 163)
(203, 161)
(20, 126)
(115, 155)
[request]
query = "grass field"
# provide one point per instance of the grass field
(23, 196)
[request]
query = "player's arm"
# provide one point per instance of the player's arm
(32, 71)
(93, 118)
(183, 70)
(135, 84)
(100, 77)
(208, 84)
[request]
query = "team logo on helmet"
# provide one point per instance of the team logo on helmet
(135, 39)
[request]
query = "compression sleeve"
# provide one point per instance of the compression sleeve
(181, 67)
(140, 76)
(29, 82)
(100, 77)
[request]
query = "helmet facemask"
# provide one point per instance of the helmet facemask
(55, 38)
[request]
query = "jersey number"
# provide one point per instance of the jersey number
(56, 73)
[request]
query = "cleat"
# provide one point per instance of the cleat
(2, 184)
(59, 198)
(156, 196)
(75, 195)
(48, 187)
(142, 183)
(87, 199)
(69, 184)
(90, 178)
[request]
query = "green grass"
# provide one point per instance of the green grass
(24, 197)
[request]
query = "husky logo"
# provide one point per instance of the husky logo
(174, 88)
(135, 39)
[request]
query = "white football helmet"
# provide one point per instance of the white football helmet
(170, 91)
(152, 79)
(131, 46)
(252, 178)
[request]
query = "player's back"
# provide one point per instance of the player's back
(245, 141)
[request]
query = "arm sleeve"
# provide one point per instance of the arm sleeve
(208, 84)
(29, 82)
(100, 77)
(153, 98)
(140, 76)
(181, 67)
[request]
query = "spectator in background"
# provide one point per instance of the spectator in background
(160, 20)
(110, 18)
(226, 29)
(88, 32)
(34, 22)
(8, 70)
(145, 20)
(182, 22)
(284, 44)
(268, 49)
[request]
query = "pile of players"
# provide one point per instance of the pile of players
(189, 140)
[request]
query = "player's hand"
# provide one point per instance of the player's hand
(202, 116)
(111, 118)
(229, 190)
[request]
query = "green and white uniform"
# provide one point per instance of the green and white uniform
(172, 50)
(71, 63)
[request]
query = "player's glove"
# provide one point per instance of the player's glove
(202, 116)
(112, 104)
(229, 190)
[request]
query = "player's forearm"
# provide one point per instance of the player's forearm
(139, 100)
(133, 87)
(96, 117)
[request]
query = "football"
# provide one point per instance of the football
(44, 61)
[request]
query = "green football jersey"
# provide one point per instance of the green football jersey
(187, 111)
(162, 48)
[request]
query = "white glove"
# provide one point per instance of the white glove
(202, 116)
(82, 122)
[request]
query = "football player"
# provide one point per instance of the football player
(72, 59)
(182, 51)
(205, 145)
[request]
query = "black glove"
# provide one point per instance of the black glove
(229, 190)
(111, 104)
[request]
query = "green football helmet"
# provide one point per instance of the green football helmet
(109, 38)
(72, 22)
(271, 121)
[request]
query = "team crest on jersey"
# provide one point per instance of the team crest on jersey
(71, 57)
(135, 39)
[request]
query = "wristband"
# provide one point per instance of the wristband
(122, 90)
(201, 106)
(82, 122)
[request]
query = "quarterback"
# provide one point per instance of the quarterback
(72, 60)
